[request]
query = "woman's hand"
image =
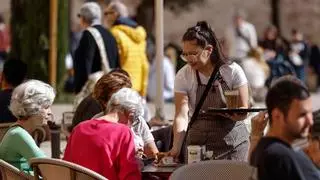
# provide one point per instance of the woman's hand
(140, 154)
(313, 151)
(174, 152)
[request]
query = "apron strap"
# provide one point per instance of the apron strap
(198, 78)
(213, 77)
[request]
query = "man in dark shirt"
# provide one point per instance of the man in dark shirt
(14, 72)
(87, 56)
(290, 111)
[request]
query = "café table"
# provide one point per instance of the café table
(151, 172)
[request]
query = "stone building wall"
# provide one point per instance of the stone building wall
(303, 15)
(219, 14)
(300, 14)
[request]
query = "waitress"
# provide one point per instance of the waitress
(224, 134)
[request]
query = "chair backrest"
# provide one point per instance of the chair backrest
(53, 169)
(4, 127)
(216, 170)
(9, 172)
(66, 122)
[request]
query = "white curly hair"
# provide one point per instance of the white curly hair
(126, 100)
(30, 98)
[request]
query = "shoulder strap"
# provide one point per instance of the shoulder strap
(198, 78)
(213, 77)
(246, 39)
(103, 54)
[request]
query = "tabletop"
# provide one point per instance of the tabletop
(151, 172)
(150, 168)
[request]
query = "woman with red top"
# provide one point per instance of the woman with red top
(105, 144)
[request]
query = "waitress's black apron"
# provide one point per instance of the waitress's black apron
(227, 139)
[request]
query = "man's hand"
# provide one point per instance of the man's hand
(259, 123)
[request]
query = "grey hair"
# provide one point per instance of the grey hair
(120, 8)
(30, 98)
(126, 100)
(91, 13)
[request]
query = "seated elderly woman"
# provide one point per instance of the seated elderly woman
(31, 105)
(103, 90)
(105, 144)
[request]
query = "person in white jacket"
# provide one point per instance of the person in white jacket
(241, 36)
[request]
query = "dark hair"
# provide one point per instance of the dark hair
(174, 46)
(204, 35)
(109, 84)
(283, 91)
(294, 31)
(14, 71)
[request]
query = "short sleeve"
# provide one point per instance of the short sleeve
(147, 136)
(238, 76)
(181, 84)
(142, 132)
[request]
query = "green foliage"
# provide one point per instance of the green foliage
(30, 30)
(63, 39)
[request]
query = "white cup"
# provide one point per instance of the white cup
(194, 153)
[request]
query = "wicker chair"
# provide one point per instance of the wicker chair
(9, 172)
(53, 169)
(216, 170)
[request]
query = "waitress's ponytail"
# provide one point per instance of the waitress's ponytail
(204, 35)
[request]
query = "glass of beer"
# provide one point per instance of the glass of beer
(232, 98)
